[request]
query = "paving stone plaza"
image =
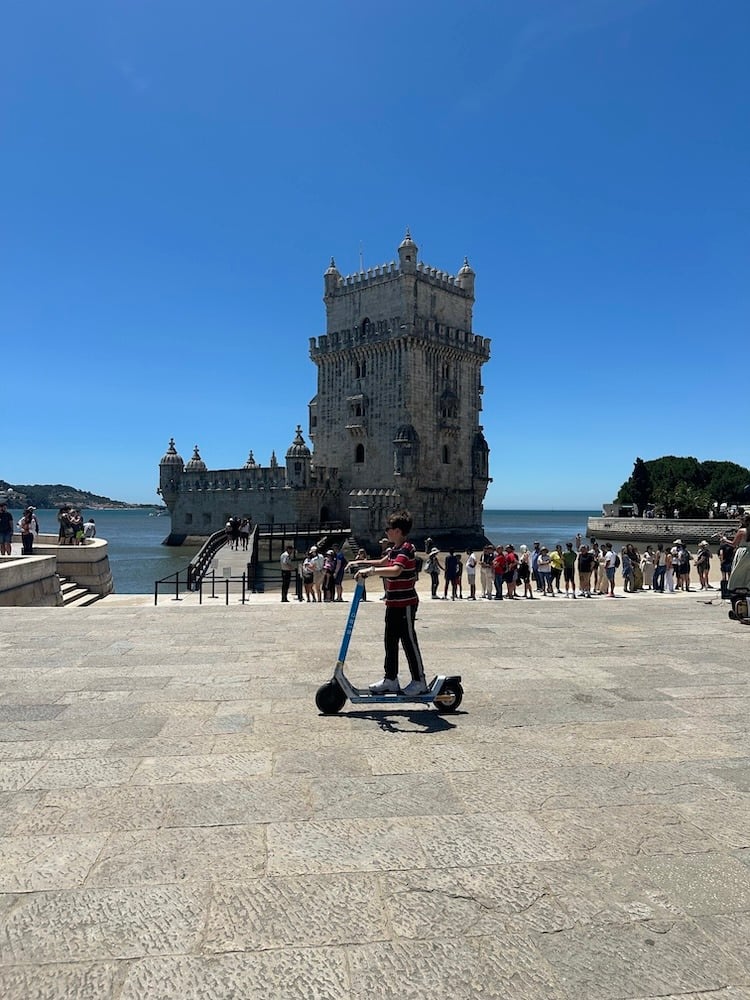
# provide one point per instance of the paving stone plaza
(178, 823)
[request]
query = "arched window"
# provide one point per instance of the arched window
(360, 369)
(359, 454)
(446, 455)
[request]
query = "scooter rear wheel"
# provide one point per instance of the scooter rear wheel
(330, 698)
(451, 694)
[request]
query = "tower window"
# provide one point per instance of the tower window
(359, 454)
(446, 455)
(360, 369)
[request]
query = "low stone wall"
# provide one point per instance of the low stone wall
(659, 529)
(29, 581)
(34, 581)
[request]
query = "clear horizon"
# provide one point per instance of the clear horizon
(178, 177)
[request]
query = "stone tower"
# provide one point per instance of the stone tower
(395, 420)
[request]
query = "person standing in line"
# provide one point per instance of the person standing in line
(318, 561)
(535, 567)
(569, 569)
(471, 574)
(487, 572)
(524, 572)
(498, 565)
(660, 569)
(329, 572)
(511, 571)
(647, 568)
(434, 569)
(627, 571)
(703, 565)
(459, 576)
(308, 574)
(586, 563)
(610, 565)
(669, 568)
(361, 557)
(338, 573)
(451, 568)
(399, 571)
(556, 561)
(6, 529)
(286, 562)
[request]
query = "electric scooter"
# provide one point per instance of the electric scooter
(445, 693)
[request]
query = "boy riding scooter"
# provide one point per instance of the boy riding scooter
(398, 567)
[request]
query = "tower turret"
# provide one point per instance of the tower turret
(196, 463)
(331, 279)
(466, 277)
(407, 254)
(170, 472)
(298, 459)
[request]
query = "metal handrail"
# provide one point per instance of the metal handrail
(199, 564)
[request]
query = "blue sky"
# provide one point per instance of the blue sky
(176, 175)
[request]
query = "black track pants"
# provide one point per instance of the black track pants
(399, 628)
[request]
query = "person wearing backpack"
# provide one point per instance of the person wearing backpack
(434, 569)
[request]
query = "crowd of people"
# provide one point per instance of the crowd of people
(72, 528)
(576, 569)
(238, 533)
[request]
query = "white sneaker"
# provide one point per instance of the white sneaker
(413, 688)
(386, 686)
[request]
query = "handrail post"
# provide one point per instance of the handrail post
(156, 592)
(227, 588)
(200, 592)
(213, 583)
(177, 587)
(243, 588)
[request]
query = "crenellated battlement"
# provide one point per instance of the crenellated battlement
(380, 333)
(386, 272)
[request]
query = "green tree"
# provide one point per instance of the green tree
(641, 487)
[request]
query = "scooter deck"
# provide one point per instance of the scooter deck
(359, 695)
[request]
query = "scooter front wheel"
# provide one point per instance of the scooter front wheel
(451, 694)
(330, 698)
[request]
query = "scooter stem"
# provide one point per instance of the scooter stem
(356, 598)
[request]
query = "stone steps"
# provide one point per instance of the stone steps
(74, 596)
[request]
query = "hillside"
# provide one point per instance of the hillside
(47, 496)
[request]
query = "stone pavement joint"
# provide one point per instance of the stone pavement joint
(177, 821)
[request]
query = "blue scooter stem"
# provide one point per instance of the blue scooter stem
(356, 598)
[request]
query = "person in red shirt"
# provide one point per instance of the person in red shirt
(398, 568)
(511, 565)
(498, 564)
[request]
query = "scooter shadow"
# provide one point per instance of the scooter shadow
(420, 721)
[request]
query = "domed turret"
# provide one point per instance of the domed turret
(171, 457)
(170, 472)
(466, 277)
(298, 448)
(298, 458)
(251, 463)
(407, 254)
(331, 279)
(196, 463)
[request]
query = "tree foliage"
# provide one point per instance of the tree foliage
(685, 484)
